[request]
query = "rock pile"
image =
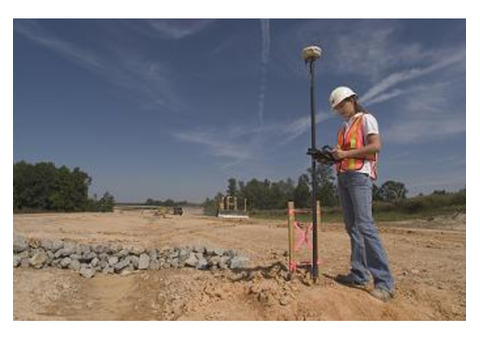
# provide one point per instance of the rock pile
(116, 259)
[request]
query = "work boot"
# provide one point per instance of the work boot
(350, 280)
(381, 294)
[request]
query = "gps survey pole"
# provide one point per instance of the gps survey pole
(310, 55)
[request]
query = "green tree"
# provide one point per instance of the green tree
(232, 187)
(302, 194)
(106, 203)
(376, 193)
(281, 192)
(254, 193)
(392, 191)
(44, 187)
(326, 189)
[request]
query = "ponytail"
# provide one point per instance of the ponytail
(358, 107)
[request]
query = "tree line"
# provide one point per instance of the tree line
(44, 187)
(167, 203)
(269, 195)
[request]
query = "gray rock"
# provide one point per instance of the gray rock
(24, 255)
(223, 264)
(114, 248)
(74, 265)
(87, 272)
(154, 265)
(39, 259)
(99, 248)
(191, 261)
(144, 261)
(16, 260)
(174, 263)
(48, 262)
(94, 262)
(108, 270)
(65, 262)
(68, 249)
(202, 263)
(183, 255)
(174, 254)
(19, 243)
(102, 264)
(153, 254)
(231, 253)
(25, 263)
(56, 245)
(136, 250)
(163, 252)
(89, 256)
(217, 251)
(123, 253)
(214, 261)
(166, 265)
(112, 261)
(46, 244)
(133, 260)
(50, 254)
(199, 255)
(120, 265)
(103, 256)
(238, 262)
(83, 249)
(199, 249)
(76, 257)
(58, 253)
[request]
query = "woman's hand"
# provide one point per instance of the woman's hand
(339, 154)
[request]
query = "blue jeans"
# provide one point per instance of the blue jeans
(368, 254)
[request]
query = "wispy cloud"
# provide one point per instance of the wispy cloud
(299, 126)
(178, 28)
(237, 144)
(35, 32)
(416, 130)
(265, 25)
(124, 67)
(373, 94)
(220, 144)
(429, 112)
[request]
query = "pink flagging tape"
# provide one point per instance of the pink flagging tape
(302, 236)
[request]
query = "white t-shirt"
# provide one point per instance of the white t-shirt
(370, 127)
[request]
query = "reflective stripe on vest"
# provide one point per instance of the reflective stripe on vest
(352, 139)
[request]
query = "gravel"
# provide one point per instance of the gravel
(113, 258)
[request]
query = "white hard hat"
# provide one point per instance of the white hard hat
(339, 94)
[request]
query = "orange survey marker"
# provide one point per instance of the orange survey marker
(300, 237)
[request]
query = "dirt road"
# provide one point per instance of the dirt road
(429, 265)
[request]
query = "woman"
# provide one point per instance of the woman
(356, 155)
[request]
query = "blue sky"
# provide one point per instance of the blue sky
(173, 108)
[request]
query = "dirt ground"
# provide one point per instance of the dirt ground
(428, 260)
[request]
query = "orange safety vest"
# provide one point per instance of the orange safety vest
(353, 139)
